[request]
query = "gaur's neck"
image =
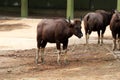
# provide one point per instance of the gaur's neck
(69, 32)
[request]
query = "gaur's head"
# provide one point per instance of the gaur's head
(75, 25)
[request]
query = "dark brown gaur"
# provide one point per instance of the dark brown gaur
(56, 31)
(115, 29)
(96, 21)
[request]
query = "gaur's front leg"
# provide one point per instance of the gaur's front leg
(98, 37)
(65, 44)
(58, 52)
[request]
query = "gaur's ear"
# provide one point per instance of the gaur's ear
(71, 25)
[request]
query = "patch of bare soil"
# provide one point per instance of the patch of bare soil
(92, 62)
(8, 24)
(9, 27)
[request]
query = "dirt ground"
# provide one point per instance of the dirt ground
(86, 62)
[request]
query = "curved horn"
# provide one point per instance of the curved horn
(69, 19)
(81, 18)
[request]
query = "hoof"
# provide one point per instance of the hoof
(58, 62)
(42, 62)
(36, 61)
(66, 62)
(113, 49)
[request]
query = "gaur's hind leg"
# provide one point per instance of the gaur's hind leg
(86, 37)
(102, 35)
(37, 56)
(40, 45)
(118, 41)
(87, 33)
(38, 51)
(43, 44)
(114, 44)
(102, 39)
(114, 35)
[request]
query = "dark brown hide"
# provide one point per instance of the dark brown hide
(96, 21)
(106, 16)
(57, 31)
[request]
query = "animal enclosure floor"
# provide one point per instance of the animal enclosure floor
(91, 62)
